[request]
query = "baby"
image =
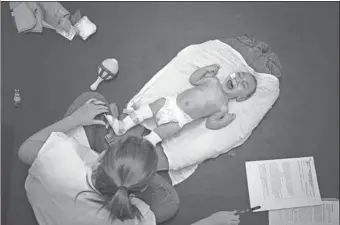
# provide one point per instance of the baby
(207, 99)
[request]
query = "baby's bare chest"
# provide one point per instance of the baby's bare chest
(210, 92)
(206, 99)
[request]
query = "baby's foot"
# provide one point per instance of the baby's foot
(117, 125)
(130, 109)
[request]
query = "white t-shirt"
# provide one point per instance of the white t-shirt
(57, 175)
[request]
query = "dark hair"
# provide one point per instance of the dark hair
(125, 168)
(253, 91)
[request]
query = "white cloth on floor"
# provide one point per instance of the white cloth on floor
(195, 143)
(85, 28)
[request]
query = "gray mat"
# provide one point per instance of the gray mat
(51, 72)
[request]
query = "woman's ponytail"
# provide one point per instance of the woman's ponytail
(120, 206)
(125, 169)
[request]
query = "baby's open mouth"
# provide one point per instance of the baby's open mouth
(230, 84)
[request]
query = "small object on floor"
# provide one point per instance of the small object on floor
(238, 212)
(69, 35)
(17, 98)
(75, 17)
(85, 28)
(53, 13)
(66, 29)
(23, 16)
(33, 16)
(107, 70)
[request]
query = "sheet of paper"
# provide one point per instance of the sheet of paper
(325, 214)
(282, 183)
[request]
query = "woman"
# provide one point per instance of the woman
(68, 183)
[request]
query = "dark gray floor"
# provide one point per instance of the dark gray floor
(51, 72)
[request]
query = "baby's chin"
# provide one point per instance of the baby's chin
(225, 87)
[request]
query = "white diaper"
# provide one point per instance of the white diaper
(170, 112)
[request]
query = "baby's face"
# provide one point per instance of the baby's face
(239, 84)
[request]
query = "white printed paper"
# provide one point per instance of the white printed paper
(282, 183)
(325, 214)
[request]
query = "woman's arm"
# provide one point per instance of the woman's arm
(85, 115)
(29, 150)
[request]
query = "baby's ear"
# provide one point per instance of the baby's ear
(241, 98)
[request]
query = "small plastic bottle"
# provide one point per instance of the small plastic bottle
(17, 98)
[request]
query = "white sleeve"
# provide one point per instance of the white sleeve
(149, 218)
(58, 165)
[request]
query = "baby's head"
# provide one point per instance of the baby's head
(240, 85)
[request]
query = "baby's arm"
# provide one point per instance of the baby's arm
(200, 75)
(219, 120)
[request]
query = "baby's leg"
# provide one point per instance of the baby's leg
(136, 117)
(162, 132)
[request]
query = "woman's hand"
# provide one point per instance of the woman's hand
(86, 114)
(224, 218)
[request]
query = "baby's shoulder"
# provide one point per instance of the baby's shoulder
(213, 83)
(215, 80)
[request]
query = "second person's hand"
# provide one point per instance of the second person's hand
(224, 218)
(86, 114)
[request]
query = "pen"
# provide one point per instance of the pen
(238, 212)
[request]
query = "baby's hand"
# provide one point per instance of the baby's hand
(213, 69)
(230, 117)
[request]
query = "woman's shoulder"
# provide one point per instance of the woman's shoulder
(58, 164)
